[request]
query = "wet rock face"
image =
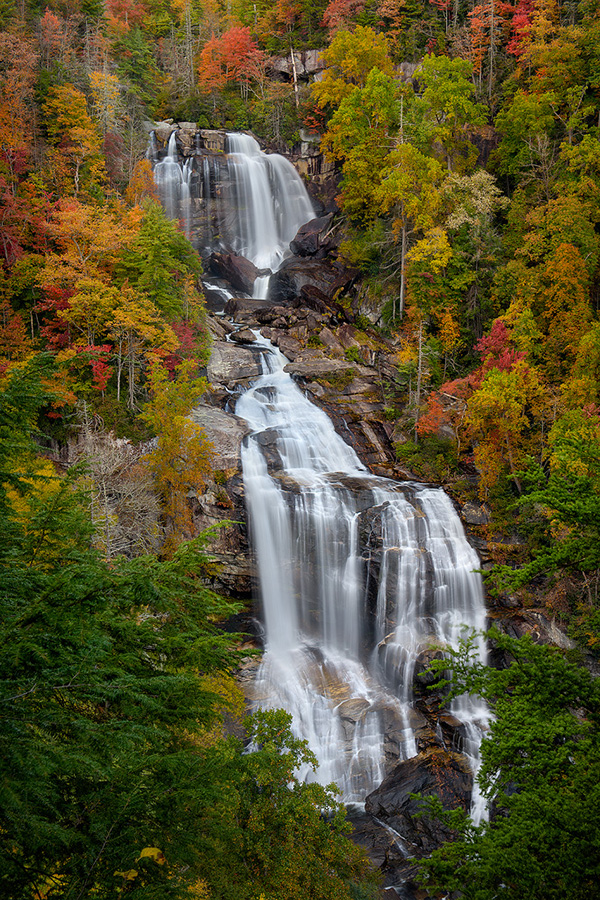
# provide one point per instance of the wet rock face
(342, 374)
(287, 283)
(222, 503)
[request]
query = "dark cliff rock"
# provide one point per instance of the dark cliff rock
(313, 238)
(287, 283)
(433, 772)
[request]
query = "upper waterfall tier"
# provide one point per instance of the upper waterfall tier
(360, 578)
(244, 200)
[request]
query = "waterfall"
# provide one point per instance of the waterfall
(173, 183)
(359, 576)
(362, 579)
(245, 201)
(271, 204)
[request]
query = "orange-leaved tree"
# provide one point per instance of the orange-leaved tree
(504, 418)
(233, 57)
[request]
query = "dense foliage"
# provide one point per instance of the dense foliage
(112, 780)
(540, 772)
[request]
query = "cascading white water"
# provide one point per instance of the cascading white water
(173, 183)
(323, 527)
(247, 201)
(271, 204)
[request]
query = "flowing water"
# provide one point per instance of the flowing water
(359, 576)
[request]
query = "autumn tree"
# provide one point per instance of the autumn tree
(448, 110)
(141, 186)
(15, 342)
(18, 60)
(87, 239)
(504, 417)
(349, 59)
(360, 135)
(410, 189)
(473, 202)
(485, 33)
(550, 277)
(106, 99)
(77, 162)
(181, 459)
(339, 14)
(233, 57)
(139, 334)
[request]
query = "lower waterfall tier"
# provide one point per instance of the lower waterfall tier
(363, 581)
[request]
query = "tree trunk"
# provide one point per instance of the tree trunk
(492, 47)
(419, 378)
(295, 75)
(402, 267)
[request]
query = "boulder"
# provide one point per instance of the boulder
(311, 238)
(330, 342)
(289, 346)
(243, 336)
(230, 363)
(249, 310)
(423, 678)
(354, 709)
(295, 274)
(320, 367)
(240, 272)
(220, 327)
(432, 772)
(163, 131)
(346, 335)
(213, 140)
(475, 513)
(187, 135)
(225, 432)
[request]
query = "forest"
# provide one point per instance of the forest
(464, 139)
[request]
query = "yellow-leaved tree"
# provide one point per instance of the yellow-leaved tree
(180, 460)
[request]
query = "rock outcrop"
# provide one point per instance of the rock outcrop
(295, 274)
(433, 772)
(313, 238)
(222, 502)
(405, 833)
(240, 272)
